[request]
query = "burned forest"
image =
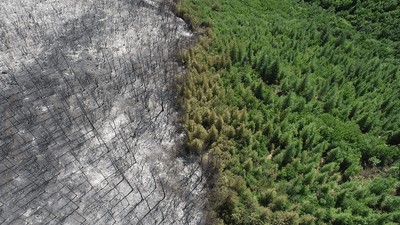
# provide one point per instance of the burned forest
(89, 121)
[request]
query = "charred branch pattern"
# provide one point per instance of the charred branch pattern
(87, 115)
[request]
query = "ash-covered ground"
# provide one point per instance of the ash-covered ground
(88, 119)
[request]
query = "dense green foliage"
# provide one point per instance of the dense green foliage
(377, 17)
(297, 112)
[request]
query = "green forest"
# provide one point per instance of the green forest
(294, 106)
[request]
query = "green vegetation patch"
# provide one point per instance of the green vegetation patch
(295, 112)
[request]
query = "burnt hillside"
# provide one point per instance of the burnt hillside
(88, 122)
